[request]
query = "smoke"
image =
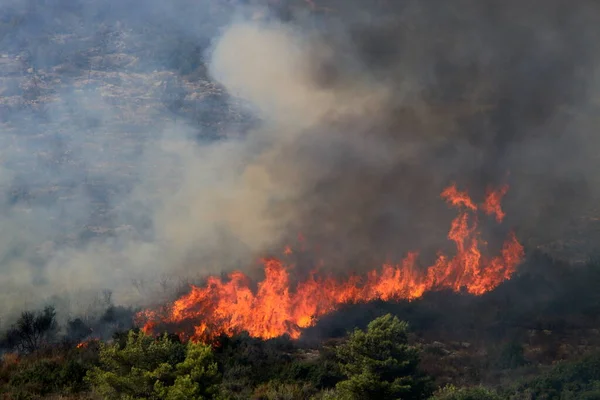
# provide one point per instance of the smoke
(136, 158)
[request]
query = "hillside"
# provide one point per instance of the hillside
(293, 199)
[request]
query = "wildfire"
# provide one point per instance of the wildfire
(86, 343)
(275, 308)
(492, 202)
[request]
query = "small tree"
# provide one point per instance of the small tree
(32, 330)
(149, 368)
(380, 364)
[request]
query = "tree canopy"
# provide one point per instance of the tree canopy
(379, 363)
(155, 368)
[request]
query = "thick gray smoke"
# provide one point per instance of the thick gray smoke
(145, 143)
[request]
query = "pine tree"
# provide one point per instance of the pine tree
(381, 364)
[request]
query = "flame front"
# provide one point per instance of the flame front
(274, 309)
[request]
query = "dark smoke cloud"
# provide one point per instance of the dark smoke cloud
(493, 87)
(144, 143)
(477, 92)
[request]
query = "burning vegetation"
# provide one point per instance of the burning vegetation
(276, 308)
(147, 144)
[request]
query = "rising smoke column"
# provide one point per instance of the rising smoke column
(364, 114)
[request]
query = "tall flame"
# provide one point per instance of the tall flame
(275, 308)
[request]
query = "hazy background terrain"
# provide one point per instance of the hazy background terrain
(145, 143)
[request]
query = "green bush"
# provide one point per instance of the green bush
(250, 365)
(283, 391)
(473, 393)
(72, 376)
(41, 377)
(254, 361)
(567, 380)
(321, 372)
(149, 368)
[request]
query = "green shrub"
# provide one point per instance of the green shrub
(149, 368)
(72, 376)
(567, 380)
(254, 360)
(473, 393)
(42, 377)
(321, 373)
(283, 391)
(62, 373)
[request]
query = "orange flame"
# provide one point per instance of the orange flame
(85, 344)
(492, 202)
(274, 309)
(457, 199)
